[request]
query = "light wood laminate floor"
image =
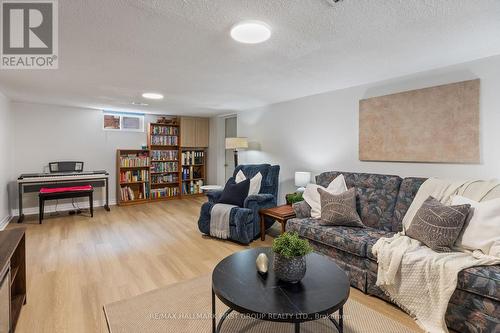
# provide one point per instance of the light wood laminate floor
(76, 264)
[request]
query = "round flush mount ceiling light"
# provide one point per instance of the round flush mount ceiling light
(251, 32)
(150, 95)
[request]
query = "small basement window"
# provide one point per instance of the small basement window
(113, 121)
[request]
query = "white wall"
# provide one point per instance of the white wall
(320, 133)
(44, 133)
(6, 142)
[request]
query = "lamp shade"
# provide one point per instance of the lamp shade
(302, 178)
(236, 143)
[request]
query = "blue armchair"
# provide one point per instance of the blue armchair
(244, 225)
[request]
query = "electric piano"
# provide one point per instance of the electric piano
(33, 182)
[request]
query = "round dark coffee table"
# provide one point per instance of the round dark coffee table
(236, 282)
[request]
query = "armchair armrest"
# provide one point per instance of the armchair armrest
(258, 199)
(214, 196)
(302, 209)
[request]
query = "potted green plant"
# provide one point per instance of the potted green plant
(289, 261)
(292, 198)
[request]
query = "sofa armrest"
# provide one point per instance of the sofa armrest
(302, 209)
(258, 199)
(214, 196)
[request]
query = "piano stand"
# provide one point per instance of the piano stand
(106, 206)
(21, 215)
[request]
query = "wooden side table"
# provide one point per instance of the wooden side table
(281, 214)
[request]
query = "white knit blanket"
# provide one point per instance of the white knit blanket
(418, 279)
(219, 220)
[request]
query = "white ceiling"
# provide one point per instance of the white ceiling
(111, 51)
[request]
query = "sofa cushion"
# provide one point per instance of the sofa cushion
(407, 191)
(355, 272)
(475, 302)
(349, 239)
(481, 280)
(376, 195)
(373, 239)
(462, 319)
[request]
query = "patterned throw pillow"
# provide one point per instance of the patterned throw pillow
(339, 209)
(438, 226)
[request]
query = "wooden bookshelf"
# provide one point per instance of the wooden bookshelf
(165, 175)
(168, 160)
(133, 176)
(193, 170)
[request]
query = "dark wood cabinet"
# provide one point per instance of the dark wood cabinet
(13, 268)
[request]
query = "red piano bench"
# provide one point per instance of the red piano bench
(65, 193)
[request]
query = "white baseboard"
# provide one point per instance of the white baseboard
(4, 222)
(61, 207)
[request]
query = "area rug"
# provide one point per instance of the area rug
(186, 307)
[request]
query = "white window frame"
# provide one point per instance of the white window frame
(124, 115)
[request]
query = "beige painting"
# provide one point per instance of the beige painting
(438, 124)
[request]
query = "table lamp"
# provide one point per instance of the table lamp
(235, 144)
(301, 180)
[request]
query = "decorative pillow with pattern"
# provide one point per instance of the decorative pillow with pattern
(437, 225)
(312, 197)
(339, 210)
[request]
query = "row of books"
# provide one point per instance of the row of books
(164, 192)
(193, 157)
(162, 179)
(168, 130)
(164, 155)
(193, 187)
(165, 166)
(134, 176)
(191, 172)
(134, 160)
(164, 140)
(128, 194)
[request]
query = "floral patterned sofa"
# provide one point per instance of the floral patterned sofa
(382, 201)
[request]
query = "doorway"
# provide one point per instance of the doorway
(231, 126)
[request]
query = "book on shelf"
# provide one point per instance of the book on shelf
(191, 172)
(134, 160)
(164, 155)
(164, 166)
(165, 178)
(164, 140)
(164, 130)
(128, 194)
(164, 192)
(192, 187)
(191, 157)
(134, 176)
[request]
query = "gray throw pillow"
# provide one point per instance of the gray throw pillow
(339, 210)
(438, 226)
